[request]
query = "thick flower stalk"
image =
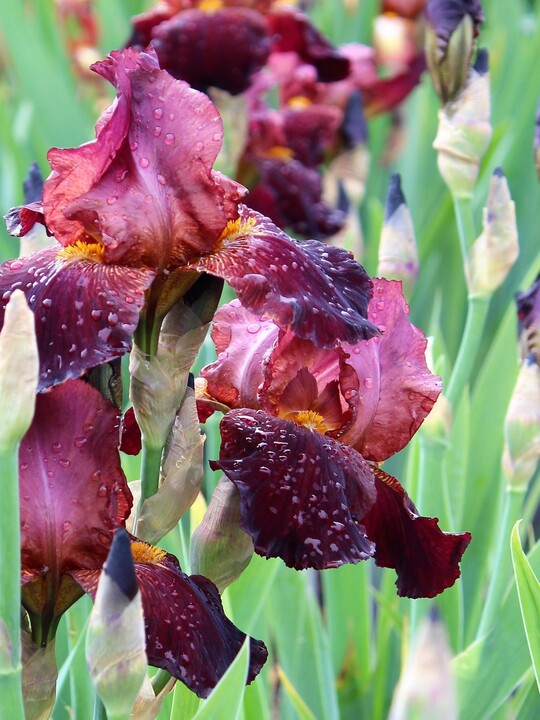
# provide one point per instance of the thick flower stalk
(306, 429)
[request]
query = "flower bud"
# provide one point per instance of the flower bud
(180, 478)
(19, 369)
(465, 131)
(522, 428)
(39, 677)
(398, 255)
(115, 642)
(426, 688)
(493, 254)
(158, 382)
(220, 549)
(450, 33)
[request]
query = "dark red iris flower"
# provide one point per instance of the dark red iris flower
(528, 312)
(74, 496)
(139, 213)
(223, 43)
(306, 431)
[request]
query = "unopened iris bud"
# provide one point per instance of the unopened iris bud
(496, 250)
(158, 382)
(19, 369)
(398, 255)
(180, 478)
(115, 642)
(39, 677)
(220, 549)
(426, 689)
(465, 131)
(528, 312)
(522, 428)
(450, 33)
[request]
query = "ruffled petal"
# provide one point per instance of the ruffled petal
(187, 632)
(86, 311)
(242, 342)
(73, 493)
(319, 291)
(144, 187)
(302, 494)
(396, 389)
(295, 32)
(290, 193)
(193, 44)
(425, 558)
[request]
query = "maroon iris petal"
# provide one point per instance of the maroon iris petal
(296, 33)
(319, 291)
(292, 194)
(131, 443)
(73, 492)
(235, 377)
(21, 219)
(425, 558)
(386, 93)
(222, 49)
(145, 186)
(302, 494)
(395, 388)
(85, 311)
(187, 632)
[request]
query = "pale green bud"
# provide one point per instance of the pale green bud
(465, 132)
(39, 677)
(449, 69)
(220, 549)
(180, 478)
(522, 428)
(115, 641)
(19, 370)
(496, 250)
(426, 688)
(398, 254)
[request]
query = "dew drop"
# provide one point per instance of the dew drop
(95, 314)
(171, 116)
(169, 139)
(133, 145)
(253, 328)
(56, 447)
(64, 462)
(16, 265)
(80, 441)
(112, 319)
(112, 199)
(157, 131)
(368, 382)
(161, 180)
(121, 176)
(199, 146)
(6, 295)
(102, 491)
(218, 137)
(158, 113)
(144, 162)
(47, 302)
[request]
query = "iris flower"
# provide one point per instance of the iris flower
(73, 498)
(306, 432)
(138, 216)
(223, 43)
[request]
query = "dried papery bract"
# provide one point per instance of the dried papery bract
(39, 677)
(465, 131)
(496, 250)
(19, 366)
(180, 477)
(115, 642)
(398, 254)
(220, 549)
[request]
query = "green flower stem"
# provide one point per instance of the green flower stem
(468, 349)
(465, 224)
(11, 700)
(500, 573)
(160, 679)
(99, 710)
(150, 465)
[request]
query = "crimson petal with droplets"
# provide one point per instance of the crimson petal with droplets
(302, 494)
(85, 311)
(425, 558)
(73, 493)
(319, 291)
(187, 632)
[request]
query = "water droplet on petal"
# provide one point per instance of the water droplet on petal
(47, 302)
(80, 441)
(368, 382)
(199, 146)
(56, 447)
(158, 113)
(112, 319)
(133, 145)
(112, 199)
(161, 180)
(95, 314)
(253, 328)
(157, 131)
(169, 139)
(144, 162)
